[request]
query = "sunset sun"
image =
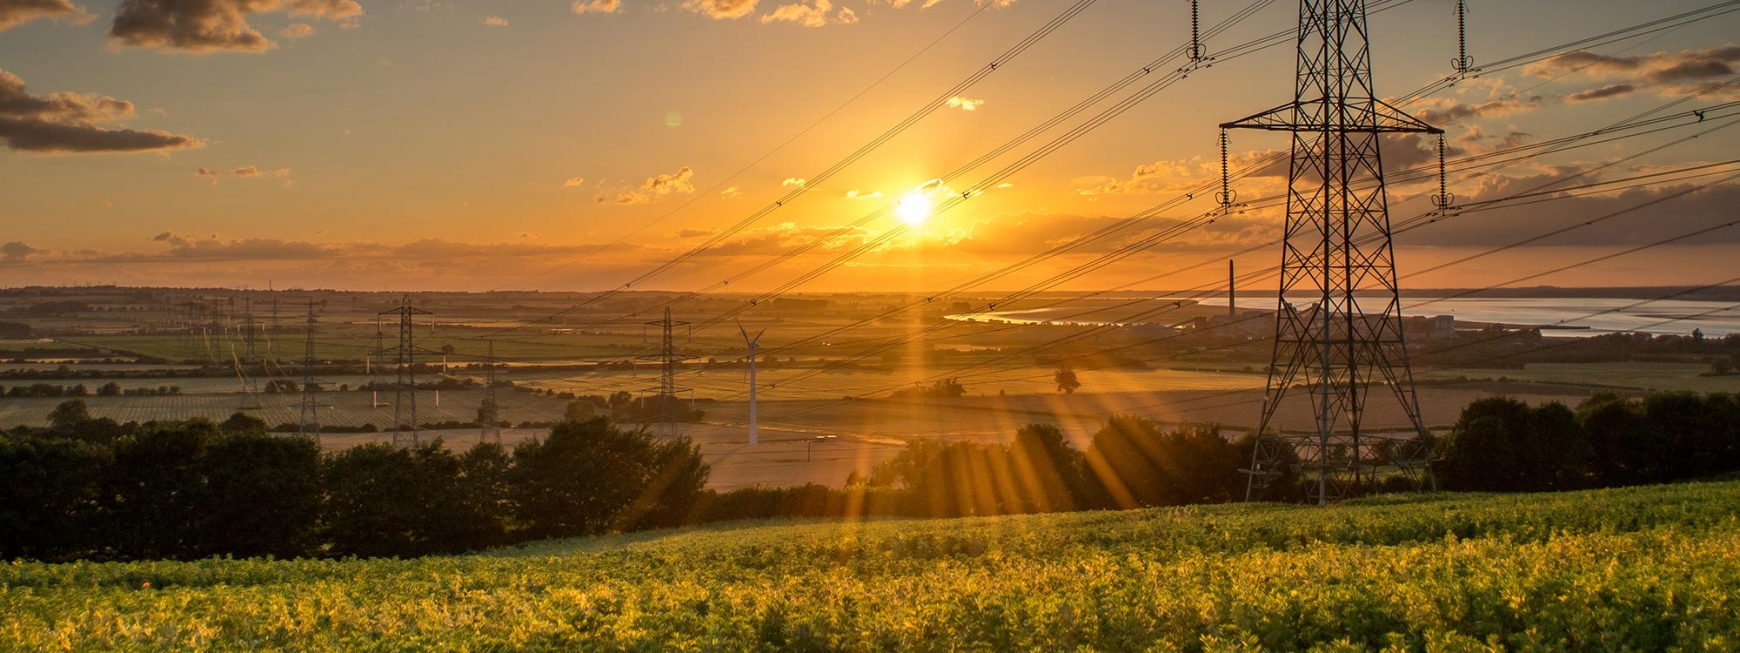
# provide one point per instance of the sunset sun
(914, 208)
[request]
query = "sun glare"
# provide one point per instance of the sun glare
(914, 208)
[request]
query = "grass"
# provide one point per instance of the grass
(1634, 569)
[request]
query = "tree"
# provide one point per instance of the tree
(488, 412)
(69, 414)
(261, 495)
(50, 498)
(110, 389)
(1056, 471)
(1138, 463)
(1500, 444)
(1067, 383)
(156, 489)
(240, 422)
(592, 477)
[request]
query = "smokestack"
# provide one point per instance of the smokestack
(1232, 308)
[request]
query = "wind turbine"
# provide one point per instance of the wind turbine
(753, 343)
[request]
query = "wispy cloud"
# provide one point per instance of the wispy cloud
(243, 172)
(721, 9)
(811, 13)
(495, 21)
(654, 188)
(597, 6)
(574, 182)
(965, 104)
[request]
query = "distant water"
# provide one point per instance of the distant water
(1558, 316)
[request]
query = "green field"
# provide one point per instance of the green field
(1635, 569)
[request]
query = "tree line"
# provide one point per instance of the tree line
(88, 488)
(83, 489)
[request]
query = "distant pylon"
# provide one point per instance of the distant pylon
(1338, 251)
(405, 385)
(309, 421)
(666, 399)
(489, 414)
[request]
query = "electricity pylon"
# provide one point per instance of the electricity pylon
(405, 385)
(1337, 255)
(489, 414)
(309, 420)
(668, 360)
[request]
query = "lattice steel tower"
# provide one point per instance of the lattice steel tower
(489, 413)
(1338, 256)
(405, 385)
(669, 360)
(309, 419)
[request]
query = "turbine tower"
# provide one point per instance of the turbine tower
(1337, 256)
(753, 344)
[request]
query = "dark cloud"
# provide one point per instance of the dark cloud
(1660, 68)
(17, 252)
(162, 237)
(1605, 92)
(18, 12)
(696, 233)
(213, 25)
(70, 122)
(1442, 112)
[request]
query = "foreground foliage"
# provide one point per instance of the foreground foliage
(1649, 568)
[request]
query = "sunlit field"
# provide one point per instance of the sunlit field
(1636, 569)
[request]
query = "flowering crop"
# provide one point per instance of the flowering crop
(1635, 569)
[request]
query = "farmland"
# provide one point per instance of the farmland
(1649, 568)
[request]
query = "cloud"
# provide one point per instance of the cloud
(18, 12)
(855, 194)
(655, 187)
(721, 9)
(809, 15)
(1605, 92)
(965, 104)
(794, 182)
(1441, 112)
(696, 233)
(597, 6)
(244, 172)
(495, 21)
(1655, 68)
(163, 237)
(15, 251)
(74, 123)
(297, 31)
(732, 193)
(573, 182)
(200, 26)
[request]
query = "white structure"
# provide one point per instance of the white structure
(753, 344)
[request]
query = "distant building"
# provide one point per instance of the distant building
(1250, 324)
(1421, 329)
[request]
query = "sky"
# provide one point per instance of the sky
(555, 145)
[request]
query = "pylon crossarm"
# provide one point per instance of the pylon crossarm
(1378, 117)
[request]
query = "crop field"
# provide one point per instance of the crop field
(1633, 376)
(1643, 569)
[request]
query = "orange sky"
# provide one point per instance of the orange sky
(546, 145)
